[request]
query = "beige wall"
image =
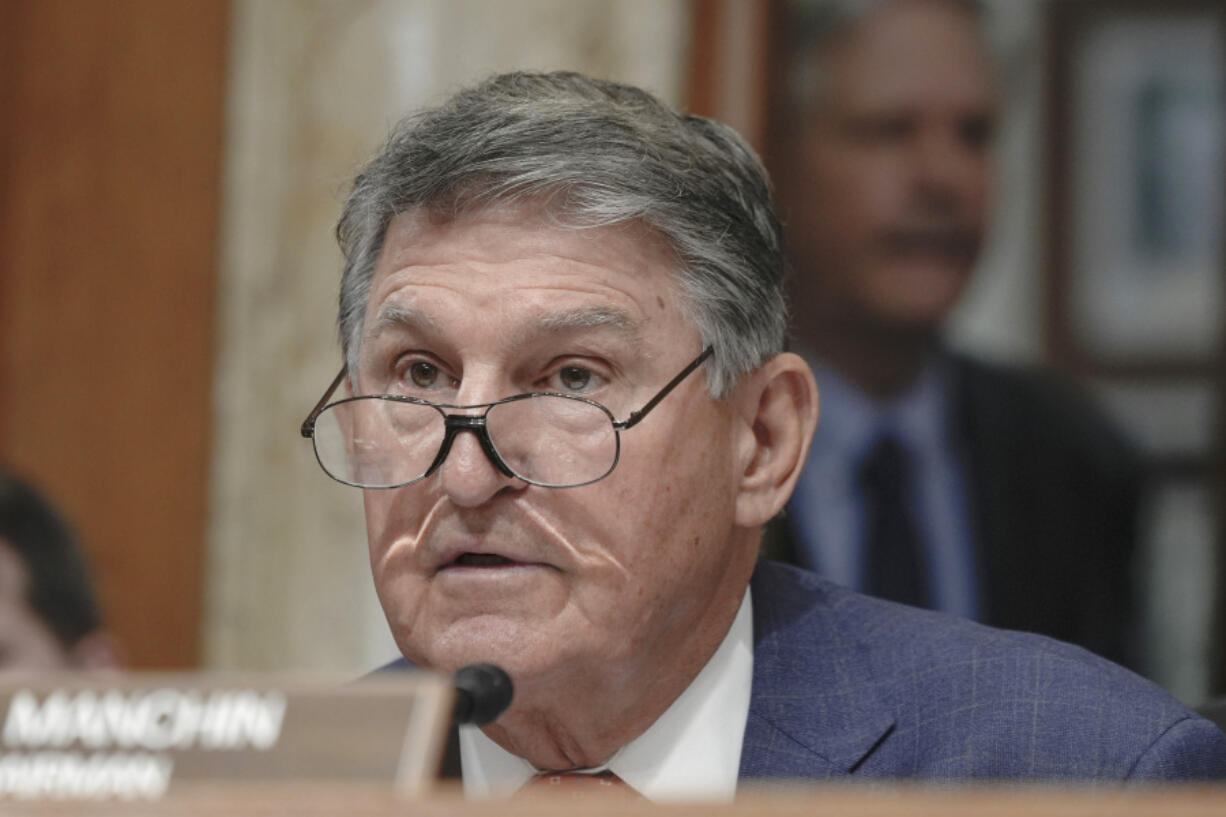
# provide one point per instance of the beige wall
(314, 86)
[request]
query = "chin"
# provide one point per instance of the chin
(920, 320)
(518, 647)
(920, 301)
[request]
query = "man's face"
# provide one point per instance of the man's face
(889, 210)
(613, 578)
(26, 643)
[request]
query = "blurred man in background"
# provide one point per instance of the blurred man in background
(49, 618)
(934, 479)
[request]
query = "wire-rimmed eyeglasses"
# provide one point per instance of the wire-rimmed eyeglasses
(548, 439)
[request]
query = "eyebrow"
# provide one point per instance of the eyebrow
(395, 316)
(399, 317)
(594, 318)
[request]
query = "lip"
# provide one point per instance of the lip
(489, 560)
(955, 242)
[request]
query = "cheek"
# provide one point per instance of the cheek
(377, 512)
(852, 196)
(393, 520)
(670, 510)
(398, 585)
(985, 199)
(876, 192)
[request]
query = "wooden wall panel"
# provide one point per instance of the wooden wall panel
(109, 219)
(732, 65)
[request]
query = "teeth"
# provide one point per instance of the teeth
(482, 560)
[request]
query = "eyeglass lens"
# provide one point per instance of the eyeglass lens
(548, 440)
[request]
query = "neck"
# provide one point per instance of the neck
(572, 720)
(882, 362)
(582, 726)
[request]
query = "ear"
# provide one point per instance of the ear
(779, 408)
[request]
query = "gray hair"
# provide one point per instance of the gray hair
(813, 26)
(590, 153)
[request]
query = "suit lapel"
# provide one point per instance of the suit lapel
(814, 711)
(1002, 490)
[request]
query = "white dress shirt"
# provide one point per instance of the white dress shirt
(692, 751)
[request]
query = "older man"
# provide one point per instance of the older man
(566, 395)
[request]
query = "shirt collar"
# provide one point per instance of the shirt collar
(851, 420)
(692, 751)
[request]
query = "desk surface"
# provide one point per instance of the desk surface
(784, 801)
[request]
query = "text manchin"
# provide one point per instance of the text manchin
(154, 720)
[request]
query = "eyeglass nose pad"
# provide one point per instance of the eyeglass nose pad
(455, 423)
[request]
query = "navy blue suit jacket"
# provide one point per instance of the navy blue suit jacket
(846, 687)
(850, 687)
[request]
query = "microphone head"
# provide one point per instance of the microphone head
(483, 692)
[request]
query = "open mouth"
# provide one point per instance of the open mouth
(476, 562)
(481, 560)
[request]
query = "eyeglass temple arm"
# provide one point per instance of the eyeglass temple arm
(636, 416)
(308, 425)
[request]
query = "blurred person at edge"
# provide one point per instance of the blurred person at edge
(936, 479)
(566, 400)
(49, 619)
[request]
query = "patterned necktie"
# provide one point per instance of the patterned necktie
(894, 564)
(579, 786)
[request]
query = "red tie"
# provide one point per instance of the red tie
(580, 786)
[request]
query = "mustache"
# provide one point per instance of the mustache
(954, 240)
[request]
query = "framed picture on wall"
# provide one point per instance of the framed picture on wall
(1137, 185)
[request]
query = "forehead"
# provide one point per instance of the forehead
(912, 53)
(508, 265)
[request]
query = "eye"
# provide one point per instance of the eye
(420, 373)
(423, 374)
(977, 132)
(881, 130)
(574, 378)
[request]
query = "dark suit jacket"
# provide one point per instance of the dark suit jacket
(850, 687)
(1054, 493)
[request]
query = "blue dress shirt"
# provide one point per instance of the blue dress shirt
(828, 515)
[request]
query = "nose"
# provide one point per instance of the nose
(469, 474)
(949, 171)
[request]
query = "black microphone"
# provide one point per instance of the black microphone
(482, 693)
